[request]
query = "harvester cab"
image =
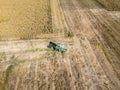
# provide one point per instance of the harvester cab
(57, 47)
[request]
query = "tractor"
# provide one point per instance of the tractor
(57, 47)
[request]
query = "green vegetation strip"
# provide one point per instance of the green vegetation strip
(107, 55)
(111, 4)
(91, 4)
(3, 19)
(100, 47)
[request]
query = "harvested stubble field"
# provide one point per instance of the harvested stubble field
(111, 4)
(92, 61)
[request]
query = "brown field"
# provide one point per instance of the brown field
(91, 33)
(111, 4)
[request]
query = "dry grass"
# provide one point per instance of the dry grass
(111, 4)
(27, 18)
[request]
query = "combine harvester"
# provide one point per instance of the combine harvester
(57, 47)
